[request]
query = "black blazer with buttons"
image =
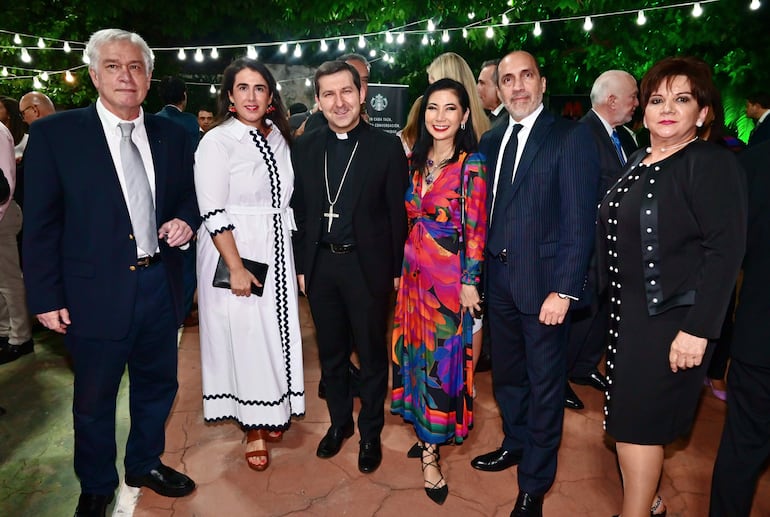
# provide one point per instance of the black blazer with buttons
(78, 243)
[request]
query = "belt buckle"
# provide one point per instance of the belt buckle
(143, 262)
(338, 249)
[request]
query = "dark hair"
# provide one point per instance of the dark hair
(297, 107)
(206, 108)
(761, 98)
(465, 139)
(172, 90)
(332, 67)
(278, 116)
(16, 124)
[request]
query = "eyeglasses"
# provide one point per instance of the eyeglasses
(27, 108)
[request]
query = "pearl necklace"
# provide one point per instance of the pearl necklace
(671, 148)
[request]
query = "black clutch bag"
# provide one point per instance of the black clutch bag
(258, 269)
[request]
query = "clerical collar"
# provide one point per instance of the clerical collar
(352, 134)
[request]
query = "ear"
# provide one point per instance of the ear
(466, 116)
(94, 77)
(702, 115)
(230, 96)
(318, 103)
(361, 96)
(542, 84)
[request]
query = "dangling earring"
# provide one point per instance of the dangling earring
(270, 109)
(231, 108)
(462, 126)
(699, 123)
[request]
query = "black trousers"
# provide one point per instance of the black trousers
(745, 446)
(587, 337)
(342, 306)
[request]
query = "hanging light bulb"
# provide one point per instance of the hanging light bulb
(588, 24)
(341, 45)
(85, 58)
(25, 56)
(4, 72)
(388, 37)
(471, 15)
(17, 39)
(465, 33)
(445, 36)
(213, 90)
(385, 57)
(307, 82)
(490, 32)
(324, 46)
(506, 21)
(198, 57)
(754, 5)
(431, 26)
(278, 87)
(214, 53)
(372, 53)
(181, 55)
(297, 51)
(284, 48)
(697, 10)
(361, 41)
(67, 47)
(424, 39)
(69, 77)
(537, 31)
(401, 38)
(40, 43)
(251, 52)
(44, 76)
(36, 84)
(640, 18)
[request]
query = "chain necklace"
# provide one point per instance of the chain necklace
(330, 215)
(433, 168)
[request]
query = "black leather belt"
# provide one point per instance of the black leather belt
(502, 256)
(338, 249)
(148, 261)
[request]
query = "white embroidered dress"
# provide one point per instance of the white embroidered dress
(251, 348)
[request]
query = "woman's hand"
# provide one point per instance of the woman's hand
(241, 280)
(469, 298)
(686, 351)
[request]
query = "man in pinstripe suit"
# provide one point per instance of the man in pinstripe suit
(544, 174)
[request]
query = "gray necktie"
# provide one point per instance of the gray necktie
(141, 206)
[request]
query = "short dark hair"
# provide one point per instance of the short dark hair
(761, 98)
(297, 107)
(697, 72)
(332, 67)
(172, 90)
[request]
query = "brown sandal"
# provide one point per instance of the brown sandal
(253, 435)
(274, 438)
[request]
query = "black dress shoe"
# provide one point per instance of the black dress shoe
(496, 461)
(331, 443)
(484, 363)
(528, 505)
(163, 480)
(10, 353)
(593, 379)
(92, 505)
(571, 400)
(369, 456)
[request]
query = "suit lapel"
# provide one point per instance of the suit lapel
(536, 138)
(496, 136)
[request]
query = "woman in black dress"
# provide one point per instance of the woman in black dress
(671, 240)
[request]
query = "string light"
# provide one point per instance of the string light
(341, 45)
(213, 90)
(388, 37)
(17, 39)
(401, 38)
(640, 18)
(324, 46)
(471, 15)
(424, 39)
(214, 53)
(361, 42)
(588, 24)
(445, 36)
(537, 31)
(284, 48)
(490, 32)
(25, 56)
(307, 82)
(755, 4)
(66, 48)
(85, 58)
(181, 55)
(4, 72)
(251, 52)
(697, 10)
(431, 26)
(506, 21)
(36, 84)
(40, 43)
(69, 77)
(297, 51)
(198, 57)
(465, 33)
(372, 53)
(278, 87)
(44, 76)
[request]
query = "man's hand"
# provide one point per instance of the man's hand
(554, 310)
(58, 321)
(686, 351)
(176, 232)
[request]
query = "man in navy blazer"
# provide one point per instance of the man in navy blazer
(87, 277)
(543, 173)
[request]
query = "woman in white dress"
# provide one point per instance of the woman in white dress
(251, 348)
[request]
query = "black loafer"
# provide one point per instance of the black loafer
(528, 505)
(163, 480)
(594, 379)
(369, 456)
(571, 400)
(331, 443)
(93, 505)
(496, 461)
(10, 353)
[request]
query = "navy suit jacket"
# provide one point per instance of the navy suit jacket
(550, 220)
(78, 242)
(187, 120)
(609, 162)
(761, 133)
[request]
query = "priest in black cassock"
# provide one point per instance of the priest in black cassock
(350, 180)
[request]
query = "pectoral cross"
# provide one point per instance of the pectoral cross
(330, 216)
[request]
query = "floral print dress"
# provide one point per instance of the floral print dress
(431, 347)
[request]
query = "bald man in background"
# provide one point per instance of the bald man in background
(34, 106)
